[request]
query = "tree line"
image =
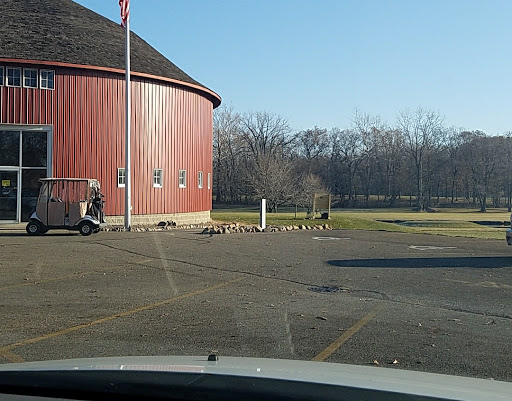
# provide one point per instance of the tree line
(418, 160)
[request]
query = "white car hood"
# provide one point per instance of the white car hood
(364, 377)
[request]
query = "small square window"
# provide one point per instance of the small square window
(183, 179)
(47, 79)
(200, 179)
(29, 78)
(13, 76)
(209, 181)
(157, 178)
(121, 179)
(2, 76)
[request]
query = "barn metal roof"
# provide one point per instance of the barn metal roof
(64, 31)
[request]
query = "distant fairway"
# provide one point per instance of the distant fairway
(450, 222)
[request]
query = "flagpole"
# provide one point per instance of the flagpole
(127, 171)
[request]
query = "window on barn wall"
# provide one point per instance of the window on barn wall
(2, 76)
(29, 78)
(47, 78)
(121, 177)
(183, 179)
(200, 179)
(157, 178)
(13, 76)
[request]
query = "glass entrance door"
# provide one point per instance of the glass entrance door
(34, 162)
(24, 159)
(30, 191)
(8, 195)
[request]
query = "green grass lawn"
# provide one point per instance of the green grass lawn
(450, 222)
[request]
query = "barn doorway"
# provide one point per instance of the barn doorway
(24, 159)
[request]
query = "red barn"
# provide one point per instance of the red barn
(62, 93)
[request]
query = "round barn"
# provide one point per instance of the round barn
(62, 114)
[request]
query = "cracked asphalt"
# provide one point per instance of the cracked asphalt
(404, 301)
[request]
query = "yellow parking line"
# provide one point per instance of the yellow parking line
(11, 356)
(322, 356)
(105, 319)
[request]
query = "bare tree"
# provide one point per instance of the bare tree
(505, 171)
(256, 155)
(271, 178)
(389, 150)
(227, 148)
(346, 153)
(308, 185)
(312, 146)
(483, 155)
(267, 142)
(423, 134)
(265, 134)
(369, 128)
(454, 142)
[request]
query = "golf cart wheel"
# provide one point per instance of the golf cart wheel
(34, 228)
(86, 228)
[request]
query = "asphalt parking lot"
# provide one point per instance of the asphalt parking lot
(407, 301)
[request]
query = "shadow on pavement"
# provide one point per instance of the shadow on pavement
(483, 262)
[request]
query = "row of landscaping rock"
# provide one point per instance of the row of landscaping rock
(218, 228)
(160, 227)
(237, 228)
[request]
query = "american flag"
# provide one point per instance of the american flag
(125, 11)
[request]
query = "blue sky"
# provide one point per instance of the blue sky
(315, 62)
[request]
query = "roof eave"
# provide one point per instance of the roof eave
(214, 97)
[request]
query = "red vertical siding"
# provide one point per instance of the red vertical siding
(171, 130)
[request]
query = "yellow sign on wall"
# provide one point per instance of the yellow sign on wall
(6, 183)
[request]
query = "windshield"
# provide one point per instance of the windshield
(321, 181)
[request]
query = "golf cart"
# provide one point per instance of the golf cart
(68, 203)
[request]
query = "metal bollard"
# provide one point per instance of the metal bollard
(263, 213)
